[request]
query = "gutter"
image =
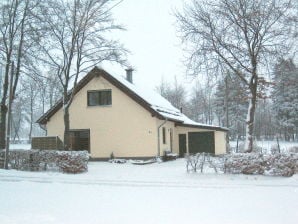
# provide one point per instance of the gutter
(158, 136)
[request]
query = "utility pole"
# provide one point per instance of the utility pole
(8, 118)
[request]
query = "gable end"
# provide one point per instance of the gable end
(96, 72)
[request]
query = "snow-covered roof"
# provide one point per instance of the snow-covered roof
(161, 105)
(146, 97)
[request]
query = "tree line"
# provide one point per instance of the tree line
(224, 102)
(241, 39)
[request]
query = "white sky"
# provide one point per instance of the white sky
(152, 40)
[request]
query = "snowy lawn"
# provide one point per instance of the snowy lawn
(156, 193)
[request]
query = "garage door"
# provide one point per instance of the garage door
(201, 142)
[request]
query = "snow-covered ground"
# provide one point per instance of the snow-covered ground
(155, 193)
(20, 146)
(267, 145)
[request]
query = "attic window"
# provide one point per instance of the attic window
(99, 97)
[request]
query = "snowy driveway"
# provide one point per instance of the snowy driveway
(156, 193)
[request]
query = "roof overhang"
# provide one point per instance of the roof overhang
(206, 127)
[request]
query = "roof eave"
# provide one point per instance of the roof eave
(202, 127)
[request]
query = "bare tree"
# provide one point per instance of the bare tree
(175, 93)
(17, 118)
(239, 34)
(31, 93)
(15, 22)
(77, 39)
(201, 102)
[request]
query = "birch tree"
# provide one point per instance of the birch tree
(76, 40)
(239, 34)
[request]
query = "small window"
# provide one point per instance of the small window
(99, 98)
(164, 135)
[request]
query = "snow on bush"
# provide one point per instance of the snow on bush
(293, 149)
(277, 164)
(73, 161)
(275, 148)
(257, 163)
(35, 160)
(22, 159)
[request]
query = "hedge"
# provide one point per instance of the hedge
(38, 160)
(278, 164)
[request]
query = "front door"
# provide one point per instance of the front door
(79, 139)
(182, 145)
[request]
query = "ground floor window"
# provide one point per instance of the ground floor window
(164, 139)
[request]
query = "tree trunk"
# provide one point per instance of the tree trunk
(31, 120)
(3, 111)
(251, 115)
(66, 128)
(3, 107)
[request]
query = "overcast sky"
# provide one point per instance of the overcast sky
(152, 40)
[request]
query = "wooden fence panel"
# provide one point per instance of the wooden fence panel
(47, 143)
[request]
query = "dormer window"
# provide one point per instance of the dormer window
(99, 97)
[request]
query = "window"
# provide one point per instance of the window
(99, 97)
(164, 135)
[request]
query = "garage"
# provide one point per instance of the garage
(201, 142)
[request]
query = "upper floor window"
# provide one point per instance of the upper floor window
(99, 97)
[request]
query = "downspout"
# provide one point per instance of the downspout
(42, 126)
(158, 136)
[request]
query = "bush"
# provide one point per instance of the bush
(256, 163)
(73, 162)
(203, 160)
(293, 149)
(275, 149)
(36, 160)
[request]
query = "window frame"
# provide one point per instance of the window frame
(89, 92)
(164, 137)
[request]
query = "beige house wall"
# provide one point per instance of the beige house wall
(169, 131)
(124, 128)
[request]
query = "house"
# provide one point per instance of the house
(109, 114)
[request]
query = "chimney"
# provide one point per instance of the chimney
(129, 74)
